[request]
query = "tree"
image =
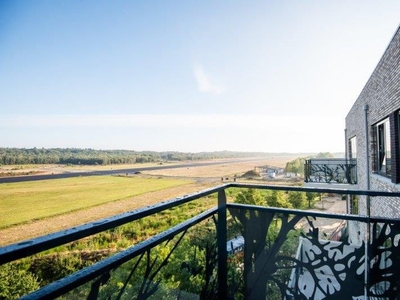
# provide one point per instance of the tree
(250, 197)
(278, 199)
(297, 199)
(311, 198)
(296, 166)
(324, 155)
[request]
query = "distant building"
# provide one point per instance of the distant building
(268, 171)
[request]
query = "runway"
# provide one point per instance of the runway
(114, 172)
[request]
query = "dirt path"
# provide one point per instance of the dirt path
(57, 223)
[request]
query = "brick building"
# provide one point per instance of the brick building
(372, 134)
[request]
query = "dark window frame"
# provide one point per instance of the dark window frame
(353, 147)
(383, 150)
(386, 134)
(395, 144)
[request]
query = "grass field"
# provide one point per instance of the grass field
(32, 209)
(26, 201)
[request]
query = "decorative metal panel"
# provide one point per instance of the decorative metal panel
(287, 256)
(330, 171)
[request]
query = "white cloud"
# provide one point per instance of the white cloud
(204, 82)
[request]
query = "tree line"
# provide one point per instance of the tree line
(293, 199)
(76, 156)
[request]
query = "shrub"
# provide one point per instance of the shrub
(14, 282)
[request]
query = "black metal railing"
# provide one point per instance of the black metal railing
(286, 254)
(330, 170)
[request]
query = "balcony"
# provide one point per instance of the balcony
(330, 170)
(232, 251)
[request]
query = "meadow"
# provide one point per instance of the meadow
(32, 209)
(23, 202)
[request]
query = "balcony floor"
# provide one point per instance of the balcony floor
(324, 185)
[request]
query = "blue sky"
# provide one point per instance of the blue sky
(270, 76)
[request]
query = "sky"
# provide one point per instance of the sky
(189, 76)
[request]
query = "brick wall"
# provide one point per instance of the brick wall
(382, 95)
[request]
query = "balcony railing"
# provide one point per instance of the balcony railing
(330, 170)
(233, 251)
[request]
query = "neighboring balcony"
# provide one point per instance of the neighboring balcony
(330, 170)
(231, 251)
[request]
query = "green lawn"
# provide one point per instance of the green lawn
(25, 201)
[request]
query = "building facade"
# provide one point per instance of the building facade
(372, 135)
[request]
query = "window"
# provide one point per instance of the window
(353, 147)
(383, 148)
(354, 204)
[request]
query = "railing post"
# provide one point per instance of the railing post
(368, 200)
(221, 243)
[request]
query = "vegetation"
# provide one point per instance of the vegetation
(250, 197)
(16, 282)
(278, 199)
(311, 198)
(278, 237)
(324, 155)
(297, 165)
(172, 269)
(25, 201)
(17, 156)
(298, 200)
(197, 246)
(189, 268)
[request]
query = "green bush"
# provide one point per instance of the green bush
(14, 282)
